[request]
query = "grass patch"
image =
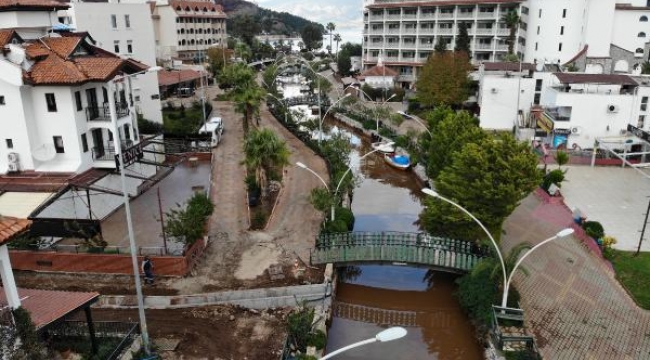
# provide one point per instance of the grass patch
(634, 273)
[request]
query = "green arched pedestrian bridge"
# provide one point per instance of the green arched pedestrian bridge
(415, 249)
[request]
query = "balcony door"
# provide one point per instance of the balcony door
(98, 141)
(93, 109)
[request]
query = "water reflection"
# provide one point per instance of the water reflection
(372, 298)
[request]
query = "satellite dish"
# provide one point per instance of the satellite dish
(539, 67)
(45, 152)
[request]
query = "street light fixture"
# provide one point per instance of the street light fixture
(127, 207)
(377, 104)
(320, 122)
(506, 280)
(332, 209)
(387, 335)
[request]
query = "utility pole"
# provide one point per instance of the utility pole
(162, 220)
(645, 223)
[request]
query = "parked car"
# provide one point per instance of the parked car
(185, 92)
(214, 127)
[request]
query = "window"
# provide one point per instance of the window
(563, 13)
(84, 143)
(538, 85)
(58, 144)
(561, 30)
(77, 100)
(10, 143)
(539, 14)
(644, 103)
(559, 47)
(51, 102)
(114, 21)
(127, 21)
(538, 30)
(129, 46)
(641, 34)
(116, 46)
(643, 19)
(639, 51)
(105, 94)
(127, 132)
(536, 99)
(2, 100)
(641, 121)
(536, 46)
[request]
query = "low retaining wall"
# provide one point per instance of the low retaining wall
(46, 261)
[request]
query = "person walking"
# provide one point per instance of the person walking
(147, 269)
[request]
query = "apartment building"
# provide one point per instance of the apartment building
(186, 29)
(404, 33)
(126, 29)
(595, 36)
(56, 95)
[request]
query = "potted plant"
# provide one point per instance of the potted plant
(594, 230)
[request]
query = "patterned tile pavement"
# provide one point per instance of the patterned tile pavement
(573, 304)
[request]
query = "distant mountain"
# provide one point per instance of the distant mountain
(272, 22)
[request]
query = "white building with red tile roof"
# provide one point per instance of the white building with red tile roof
(126, 29)
(55, 94)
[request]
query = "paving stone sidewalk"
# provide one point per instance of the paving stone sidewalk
(573, 304)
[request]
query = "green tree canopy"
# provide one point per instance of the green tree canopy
(330, 31)
(444, 79)
(489, 178)
(246, 93)
(344, 63)
(312, 36)
(441, 46)
(245, 27)
(265, 152)
(352, 49)
(512, 20)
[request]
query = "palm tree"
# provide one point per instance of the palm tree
(265, 152)
(330, 28)
(337, 38)
(645, 67)
(512, 20)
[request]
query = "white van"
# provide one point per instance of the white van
(214, 127)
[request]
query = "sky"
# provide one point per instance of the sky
(347, 15)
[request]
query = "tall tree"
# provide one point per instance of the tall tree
(330, 30)
(20, 341)
(352, 49)
(450, 131)
(246, 93)
(489, 178)
(245, 27)
(444, 79)
(512, 20)
(312, 37)
(265, 152)
(463, 40)
(218, 58)
(441, 46)
(337, 38)
(344, 63)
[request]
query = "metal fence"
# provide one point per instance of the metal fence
(125, 332)
(118, 250)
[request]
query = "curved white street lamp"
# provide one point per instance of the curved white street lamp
(423, 126)
(377, 104)
(387, 335)
(332, 210)
(320, 122)
(562, 233)
(506, 280)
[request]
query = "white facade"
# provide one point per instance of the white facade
(186, 29)
(632, 27)
(127, 30)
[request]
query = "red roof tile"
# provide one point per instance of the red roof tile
(379, 71)
(6, 35)
(213, 10)
(507, 66)
(46, 306)
(10, 227)
(578, 78)
(32, 4)
(166, 78)
(34, 181)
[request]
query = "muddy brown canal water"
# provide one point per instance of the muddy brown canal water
(374, 297)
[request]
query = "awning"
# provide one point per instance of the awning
(545, 122)
(21, 204)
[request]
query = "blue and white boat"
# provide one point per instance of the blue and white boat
(402, 162)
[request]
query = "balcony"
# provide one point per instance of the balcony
(445, 31)
(393, 31)
(484, 31)
(560, 113)
(103, 113)
(501, 47)
(409, 16)
(427, 15)
(107, 153)
(391, 45)
(465, 15)
(445, 15)
(376, 18)
(426, 46)
(394, 17)
(487, 15)
(503, 31)
(489, 47)
(424, 31)
(408, 45)
(376, 32)
(409, 31)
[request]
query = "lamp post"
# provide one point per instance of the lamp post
(320, 122)
(506, 280)
(281, 104)
(377, 104)
(387, 335)
(332, 209)
(127, 207)
(560, 234)
(424, 126)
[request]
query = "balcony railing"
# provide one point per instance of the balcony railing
(483, 31)
(107, 153)
(426, 31)
(103, 113)
(486, 15)
(445, 15)
(445, 31)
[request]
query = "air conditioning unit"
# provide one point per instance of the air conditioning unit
(13, 167)
(612, 108)
(575, 130)
(12, 157)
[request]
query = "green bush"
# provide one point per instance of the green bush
(318, 339)
(344, 214)
(593, 229)
(553, 177)
(336, 226)
(188, 224)
(148, 127)
(477, 291)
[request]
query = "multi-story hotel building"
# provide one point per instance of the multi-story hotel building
(186, 29)
(598, 36)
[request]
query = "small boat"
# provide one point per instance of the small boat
(383, 147)
(401, 162)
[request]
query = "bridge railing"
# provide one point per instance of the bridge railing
(391, 238)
